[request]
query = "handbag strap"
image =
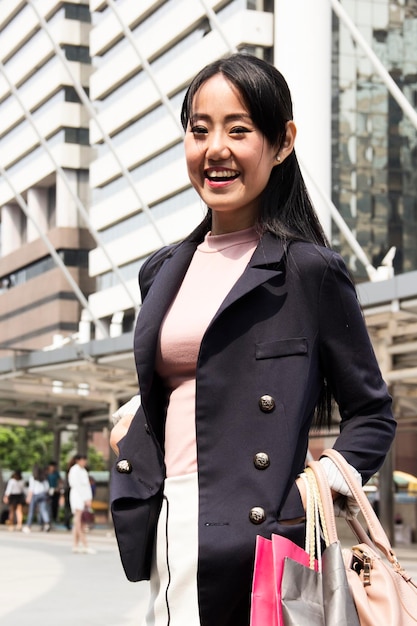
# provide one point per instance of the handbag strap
(375, 528)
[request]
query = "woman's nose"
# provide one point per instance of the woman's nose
(217, 147)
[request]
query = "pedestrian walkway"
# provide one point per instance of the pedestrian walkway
(44, 584)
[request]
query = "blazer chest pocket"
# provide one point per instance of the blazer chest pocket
(281, 347)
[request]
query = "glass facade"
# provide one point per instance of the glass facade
(374, 144)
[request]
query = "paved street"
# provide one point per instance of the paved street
(44, 584)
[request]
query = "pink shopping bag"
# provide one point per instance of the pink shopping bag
(263, 603)
(267, 577)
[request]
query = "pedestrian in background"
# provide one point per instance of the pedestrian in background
(55, 484)
(80, 497)
(14, 497)
(65, 500)
(37, 499)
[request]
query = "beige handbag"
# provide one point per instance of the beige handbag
(383, 592)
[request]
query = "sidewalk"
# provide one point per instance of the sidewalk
(44, 584)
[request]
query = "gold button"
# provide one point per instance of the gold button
(261, 460)
(257, 515)
(266, 403)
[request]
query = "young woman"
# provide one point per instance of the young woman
(14, 497)
(245, 329)
(80, 497)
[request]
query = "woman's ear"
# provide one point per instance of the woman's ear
(287, 145)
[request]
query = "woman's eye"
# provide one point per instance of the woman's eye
(237, 130)
(199, 130)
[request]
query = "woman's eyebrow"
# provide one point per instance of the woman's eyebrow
(228, 118)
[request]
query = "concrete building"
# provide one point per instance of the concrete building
(43, 129)
(92, 166)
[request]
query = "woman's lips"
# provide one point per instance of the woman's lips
(218, 176)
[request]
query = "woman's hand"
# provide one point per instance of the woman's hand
(122, 419)
(119, 431)
(303, 495)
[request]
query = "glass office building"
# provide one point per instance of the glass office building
(374, 144)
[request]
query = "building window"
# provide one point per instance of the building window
(70, 95)
(51, 207)
(77, 135)
(75, 258)
(77, 53)
(71, 258)
(78, 12)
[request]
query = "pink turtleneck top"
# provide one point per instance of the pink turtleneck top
(217, 264)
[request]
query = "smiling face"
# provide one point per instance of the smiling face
(229, 160)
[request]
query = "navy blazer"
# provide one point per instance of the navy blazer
(290, 320)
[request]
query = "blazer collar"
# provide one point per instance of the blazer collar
(269, 252)
(265, 264)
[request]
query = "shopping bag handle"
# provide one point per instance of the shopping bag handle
(326, 499)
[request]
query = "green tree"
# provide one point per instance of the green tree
(21, 447)
(96, 460)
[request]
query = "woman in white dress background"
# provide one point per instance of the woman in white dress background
(80, 497)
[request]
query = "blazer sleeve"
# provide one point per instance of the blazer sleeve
(367, 425)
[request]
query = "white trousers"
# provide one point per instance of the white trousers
(173, 586)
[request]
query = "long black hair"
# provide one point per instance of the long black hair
(39, 473)
(286, 207)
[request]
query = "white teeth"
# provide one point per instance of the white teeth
(222, 174)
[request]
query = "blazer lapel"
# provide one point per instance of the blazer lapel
(156, 304)
(265, 264)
